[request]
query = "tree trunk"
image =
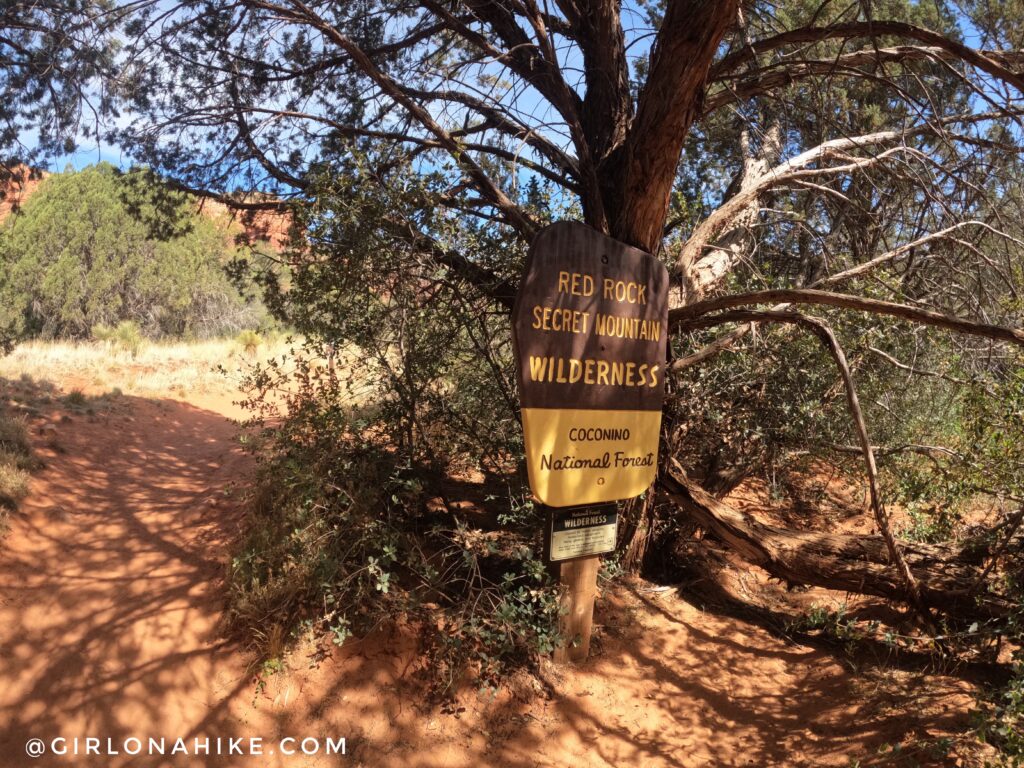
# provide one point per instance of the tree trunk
(949, 581)
(637, 177)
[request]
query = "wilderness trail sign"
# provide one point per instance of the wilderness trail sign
(590, 326)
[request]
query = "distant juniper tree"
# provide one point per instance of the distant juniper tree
(99, 246)
(56, 59)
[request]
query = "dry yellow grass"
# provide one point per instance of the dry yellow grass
(15, 461)
(172, 368)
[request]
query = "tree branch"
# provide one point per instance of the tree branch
(515, 217)
(988, 62)
(787, 72)
(694, 316)
(854, 563)
(828, 339)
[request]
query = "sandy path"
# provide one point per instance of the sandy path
(110, 597)
(110, 583)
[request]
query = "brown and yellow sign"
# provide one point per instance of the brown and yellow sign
(590, 330)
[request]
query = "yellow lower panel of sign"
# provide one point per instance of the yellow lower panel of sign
(577, 456)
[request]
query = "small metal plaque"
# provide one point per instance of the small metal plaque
(582, 532)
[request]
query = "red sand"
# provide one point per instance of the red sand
(111, 587)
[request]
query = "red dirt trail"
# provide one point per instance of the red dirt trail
(111, 591)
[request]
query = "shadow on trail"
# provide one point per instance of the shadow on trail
(111, 577)
(667, 685)
(862, 652)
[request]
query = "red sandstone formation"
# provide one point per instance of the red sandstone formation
(16, 186)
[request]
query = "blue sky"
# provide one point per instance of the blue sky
(89, 155)
(90, 151)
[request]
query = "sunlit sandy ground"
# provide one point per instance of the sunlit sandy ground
(171, 368)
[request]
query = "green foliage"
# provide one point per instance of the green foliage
(993, 427)
(421, 387)
(430, 352)
(930, 523)
(748, 409)
(103, 332)
(53, 51)
(13, 483)
(340, 540)
(1000, 719)
(126, 337)
(14, 435)
(76, 399)
(99, 247)
(249, 341)
(835, 625)
(1003, 723)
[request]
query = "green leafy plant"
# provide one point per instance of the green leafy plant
(249, 341)
(339, 542)
(1000, 717)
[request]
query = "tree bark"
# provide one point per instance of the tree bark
(852, 563)
(637, 178)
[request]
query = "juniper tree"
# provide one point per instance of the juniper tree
(808, 170)
(99, 246)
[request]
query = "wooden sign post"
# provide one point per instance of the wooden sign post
(590, 331)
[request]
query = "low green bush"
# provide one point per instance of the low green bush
(340, 540)
(249, 341)
(13, 483)
(14, 436)
(125, 337)
(76, 398)
(1000, 717)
